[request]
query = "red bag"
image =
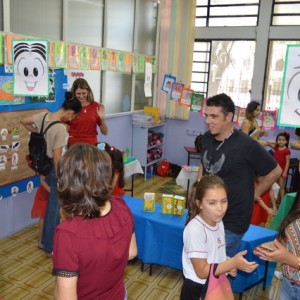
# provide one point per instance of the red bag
(164, 168)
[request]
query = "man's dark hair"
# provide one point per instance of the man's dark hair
(72, 104)
(223, 101)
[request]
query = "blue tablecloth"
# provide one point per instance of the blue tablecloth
(159, 241)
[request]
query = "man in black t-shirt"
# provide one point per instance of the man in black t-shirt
(235, 157)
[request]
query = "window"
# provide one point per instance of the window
(226, 13)
(286, 12)
(228, 69)
(45, 18)
(276, 59)
(200, 71)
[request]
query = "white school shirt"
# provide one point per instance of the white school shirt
(201, 240)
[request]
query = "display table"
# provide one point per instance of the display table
(131, 167)
(160, 241)
(283, 210)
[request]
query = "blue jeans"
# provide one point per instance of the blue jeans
(233, 241)
(289, 291)
(52, 216)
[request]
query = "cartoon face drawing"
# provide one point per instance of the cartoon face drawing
(30, 68)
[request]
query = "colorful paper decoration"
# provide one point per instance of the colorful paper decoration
(6, 92)
(240, 116)
(128, 62)
(202, 112)
(196, 101)
(94, 59)
(1, 49)
(120, 61)
(176, 90)
(135, 63)
(167, 83)
(84, 54)
(73, 56)
(185, 97)
(269, 118)
(141, 63)
(104, 59)
(8, 43)
(50, 55)
(60, 55)
(112, 61)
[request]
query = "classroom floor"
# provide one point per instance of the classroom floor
(25, 271)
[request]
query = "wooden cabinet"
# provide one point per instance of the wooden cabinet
(148, 145)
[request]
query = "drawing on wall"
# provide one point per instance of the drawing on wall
(30, 65)
(289, 111)
(6, 92)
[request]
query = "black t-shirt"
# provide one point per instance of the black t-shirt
(236, 160)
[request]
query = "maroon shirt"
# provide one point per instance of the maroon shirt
(96, 250)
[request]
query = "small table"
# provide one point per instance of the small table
(192, 153)
(131, 167)
(160, 241)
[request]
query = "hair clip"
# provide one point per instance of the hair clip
(101, 146)
(112, 148)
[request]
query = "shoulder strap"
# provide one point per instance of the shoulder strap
(42, 127)
(50, 125)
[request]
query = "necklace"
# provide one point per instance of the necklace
(227, 137)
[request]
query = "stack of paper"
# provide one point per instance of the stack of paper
(143, 119)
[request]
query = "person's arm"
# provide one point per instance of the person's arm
(271, 144)
(273, 200)
(281, 254)
(287, 165)
(295, 145)
(201, 266)
(133, 247)
(101, 114)
(200, 172)
(269, 210)
(56, 156)
(65, 288)
(246, 126)
(28, 123)
(44, 183)
(266, 181)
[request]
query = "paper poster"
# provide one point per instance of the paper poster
(141, 63)
(6, 92)
(8, 45)
(84, 57)
(73, 56)
(196, 101)
(49, 98)
(176, 90)
(30, 65)
(289, 111)
(148, 80)
(135, 63)
(269, 119)
(167, 83)
(128, 62)
(51, 60)
(60, 55)
(112, 61)
(94, 59)
(203, 108)
(1, 49)
(240, 116)
(121, 62)
(104, 59)
(185, 97)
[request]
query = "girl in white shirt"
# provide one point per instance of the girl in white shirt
(204, 238)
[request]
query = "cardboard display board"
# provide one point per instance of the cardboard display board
(14, 146)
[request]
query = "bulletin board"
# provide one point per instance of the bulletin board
(14, 147)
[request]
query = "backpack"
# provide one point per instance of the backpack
(164, 168)
(37, 158)
(198, 142)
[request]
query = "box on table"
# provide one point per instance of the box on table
(149, 202)
(167, 203)
(179, 205)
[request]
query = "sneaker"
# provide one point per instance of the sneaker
(278, 275)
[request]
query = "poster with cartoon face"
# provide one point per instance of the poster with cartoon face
(289, 111)
(30, 66)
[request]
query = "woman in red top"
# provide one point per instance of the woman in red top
(282, 156)
(83, 128)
